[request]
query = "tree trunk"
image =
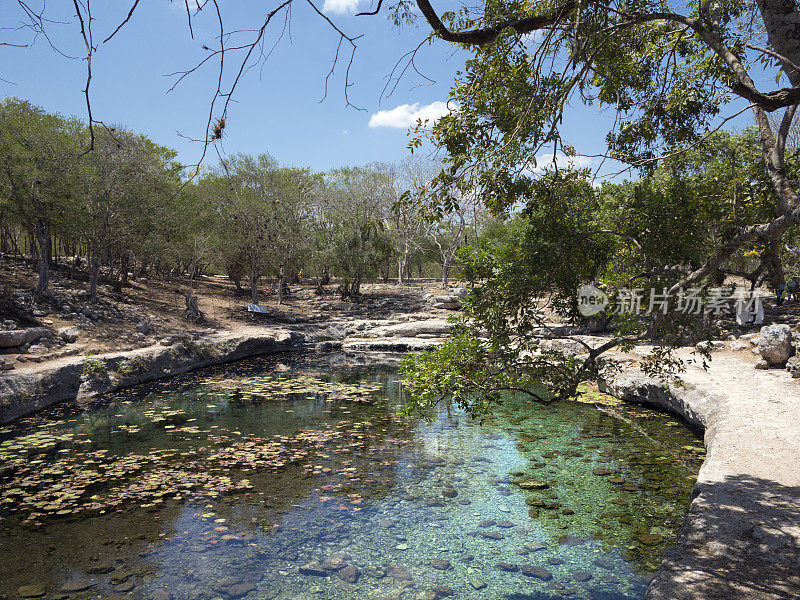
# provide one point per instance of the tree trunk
(124, 273)
(775, 266)
(42, 233)
(94, 275)
(281, 276)
(445, 272)
(401, 269)
(254, 288)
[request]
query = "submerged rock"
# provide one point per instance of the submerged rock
(603, 563)
(650, 539)
(399, 572)
(537, 572)
(440, 591)
(124, 587)
(31, 591)
(535, 546)
(477, 584)
(77, 586)
(533, 484)
(350, 574)
(101, 568)
(315, 568)
(505, 524)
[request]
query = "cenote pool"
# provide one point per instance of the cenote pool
(290, 477)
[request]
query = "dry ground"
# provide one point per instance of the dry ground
(110, 324)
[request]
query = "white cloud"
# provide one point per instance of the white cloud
(547, 160)
(406, 115)
(340, 6)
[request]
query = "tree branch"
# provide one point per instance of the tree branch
(487, 34)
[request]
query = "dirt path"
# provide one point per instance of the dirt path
(741, 538)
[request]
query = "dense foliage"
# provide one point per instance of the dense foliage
(647, 234)
(127, 208)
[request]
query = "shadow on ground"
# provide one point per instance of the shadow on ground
(740, 541)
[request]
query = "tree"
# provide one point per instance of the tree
(39, 156)
(127, 186)
(667, 72)
(262, 214)
(352, 205)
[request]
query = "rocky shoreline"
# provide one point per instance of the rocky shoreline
(71, 378)
(82, 377)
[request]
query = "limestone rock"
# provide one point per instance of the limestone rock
(793, 366)
(775, 344)
(20, 337)
(710, 345)
(69, 334)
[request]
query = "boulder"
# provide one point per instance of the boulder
(710, 345)
(775, 344)
(69, 334)
(793, 366)
(144, 327)
(20, 337)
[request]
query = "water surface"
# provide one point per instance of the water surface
(286, 477)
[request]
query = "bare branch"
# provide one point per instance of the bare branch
(121, 25)
(372, 12)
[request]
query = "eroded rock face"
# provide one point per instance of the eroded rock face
(775, 344)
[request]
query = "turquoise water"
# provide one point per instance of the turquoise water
(290, 478)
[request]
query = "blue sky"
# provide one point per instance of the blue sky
(277, 105)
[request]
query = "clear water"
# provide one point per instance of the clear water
(227, 484)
